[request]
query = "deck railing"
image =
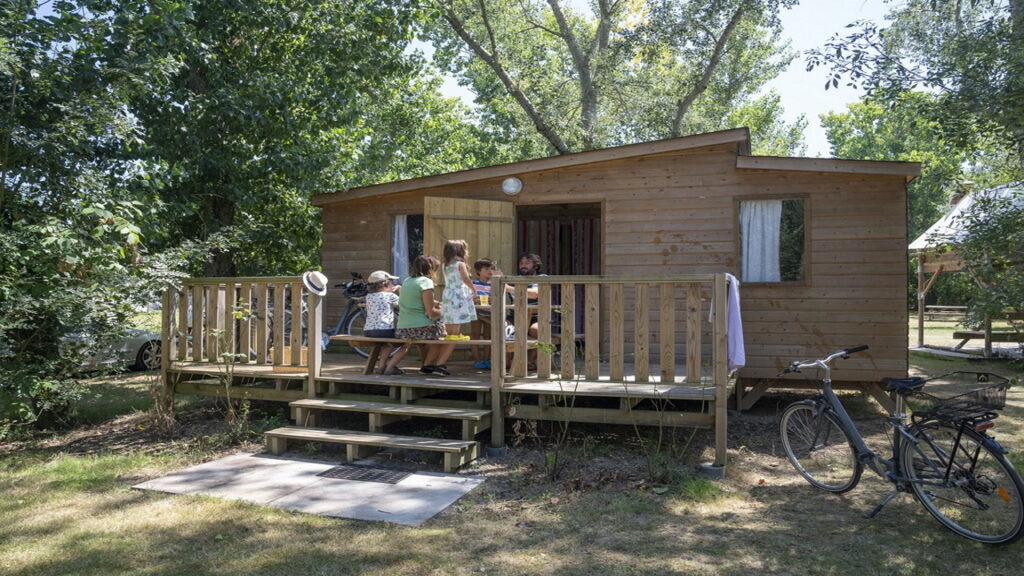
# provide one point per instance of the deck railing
(243, 321)
(615, 345)
(665, 340)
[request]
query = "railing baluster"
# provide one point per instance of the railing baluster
(198, 323)
(544, 330)
(642, 335)
(183, 322)
(693, 344)
(617, 334)
(228, 342)
(244, 323)
(296, 335)
(568, 316)
(278, 334)
(667, 331)
(260, 310)
(592, 329)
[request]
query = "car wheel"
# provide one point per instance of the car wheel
(148, 357)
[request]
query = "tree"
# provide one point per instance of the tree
(69, 232)
(140, 137)
(635, 71)
(969, 54)
(992, 248)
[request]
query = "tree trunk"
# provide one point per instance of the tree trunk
(222, 264)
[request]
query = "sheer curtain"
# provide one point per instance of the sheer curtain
(760, 225)
(400, 248)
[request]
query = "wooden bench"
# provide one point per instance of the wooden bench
(944, 312)
(376, 344)
(362, 444)
(473, 420)
(966, 336)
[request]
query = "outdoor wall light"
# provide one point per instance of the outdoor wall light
(512, 186)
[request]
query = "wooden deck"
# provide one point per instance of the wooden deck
(616, 375)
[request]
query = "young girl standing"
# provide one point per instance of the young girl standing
(457, 305)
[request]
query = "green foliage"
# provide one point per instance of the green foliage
(968, 54)
(142, 141)
(552, 77)
(992, 249)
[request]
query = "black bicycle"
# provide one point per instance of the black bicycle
(351, 321)
(943, 453)
(353, 317)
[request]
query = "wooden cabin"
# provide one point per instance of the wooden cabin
(819, 244)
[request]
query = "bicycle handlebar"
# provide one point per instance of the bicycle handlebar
(823, 362)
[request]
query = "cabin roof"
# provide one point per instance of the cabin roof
(737, 136)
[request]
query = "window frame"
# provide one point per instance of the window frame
(805, 260)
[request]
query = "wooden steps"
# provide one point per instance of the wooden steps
(361, 444)
(474, 421)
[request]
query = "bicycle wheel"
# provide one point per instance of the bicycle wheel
(967, 486)
(354, 327)
(819, 448)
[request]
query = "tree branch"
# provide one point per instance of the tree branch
(683, 105)
(510, 85)
(581, 61)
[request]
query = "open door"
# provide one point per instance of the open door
(488, 226)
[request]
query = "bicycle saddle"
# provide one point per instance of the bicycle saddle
(903, 385)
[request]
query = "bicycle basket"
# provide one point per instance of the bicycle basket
(959, 396)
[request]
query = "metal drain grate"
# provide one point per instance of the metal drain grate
(365, 474)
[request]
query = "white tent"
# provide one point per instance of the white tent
(947, 232)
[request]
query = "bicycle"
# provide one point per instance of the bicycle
(352, 318)
(944, 454)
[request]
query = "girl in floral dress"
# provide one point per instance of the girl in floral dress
(457, 305)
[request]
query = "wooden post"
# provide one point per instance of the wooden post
(721, 367)
(314, 305)
(497, 360)
(921, 292)
(167, 345)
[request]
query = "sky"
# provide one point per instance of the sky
(808, 25)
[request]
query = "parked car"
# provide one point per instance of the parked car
(138, 349)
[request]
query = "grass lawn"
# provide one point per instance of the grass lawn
(67, 507)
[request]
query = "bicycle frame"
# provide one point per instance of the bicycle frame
(884, 467)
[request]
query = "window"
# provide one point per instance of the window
(772, 240)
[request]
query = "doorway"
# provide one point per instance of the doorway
(567, 237)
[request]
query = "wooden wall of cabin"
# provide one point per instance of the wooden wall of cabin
(676, 213)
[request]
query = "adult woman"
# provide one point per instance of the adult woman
(419, 315)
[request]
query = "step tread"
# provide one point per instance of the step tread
(391, 408)
(370, 439)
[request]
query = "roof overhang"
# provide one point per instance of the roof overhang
(737, 136)
(908, 170)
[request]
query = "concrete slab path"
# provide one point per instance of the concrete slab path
(293, 484)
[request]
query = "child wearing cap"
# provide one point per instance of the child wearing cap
(381, 302)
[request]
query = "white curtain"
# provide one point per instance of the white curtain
(400, 248)
(760, 224)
